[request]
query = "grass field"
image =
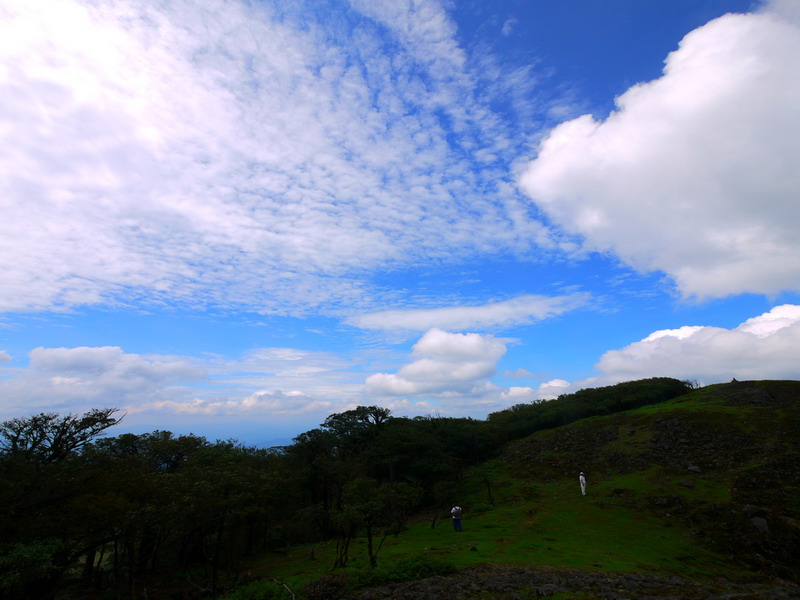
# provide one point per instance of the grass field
(543, 524)
(635, 518)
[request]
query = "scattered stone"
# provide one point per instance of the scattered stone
(515, 583)
(760, 523)
(749, 510)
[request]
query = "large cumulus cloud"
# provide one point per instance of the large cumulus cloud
(763, 347)
(454, 364)
(696, 173)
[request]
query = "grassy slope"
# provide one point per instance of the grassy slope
(653, 474)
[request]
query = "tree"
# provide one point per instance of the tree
(358, 420)
(369, 506)
(44, 481)
(354, 429)
(52, 437)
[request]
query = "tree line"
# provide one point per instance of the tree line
(85, 515)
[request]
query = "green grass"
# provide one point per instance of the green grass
(545, 524)
(656, 482)
(532, 514)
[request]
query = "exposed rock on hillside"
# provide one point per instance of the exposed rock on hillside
(523, 584)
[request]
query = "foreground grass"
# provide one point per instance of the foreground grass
(544, 524)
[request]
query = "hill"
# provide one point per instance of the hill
(693, 497)
(721, 464)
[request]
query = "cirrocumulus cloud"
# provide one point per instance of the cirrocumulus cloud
(161, 150)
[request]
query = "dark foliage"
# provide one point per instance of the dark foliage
(523, 419)
(129, 516)
(49, 437)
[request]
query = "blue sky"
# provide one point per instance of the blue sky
(234, 218)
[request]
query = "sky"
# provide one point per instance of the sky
(234, 218)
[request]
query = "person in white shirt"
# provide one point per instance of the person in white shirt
(582, 480)
(456, 513)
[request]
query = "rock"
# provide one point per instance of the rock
(760, 523)
(749, 510)
(519, 583)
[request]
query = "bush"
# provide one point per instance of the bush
(408, 568)
(327, 587)
(260, 590)
(419, 566)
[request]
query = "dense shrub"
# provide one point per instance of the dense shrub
(521, 420)
(260, 590)
(418, 567)
(327, 587)
(408, 568)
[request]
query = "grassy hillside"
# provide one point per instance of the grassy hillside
(704, 486)
(718, 467)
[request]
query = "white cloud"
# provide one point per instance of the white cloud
(287, 364)
(452, 367)
(508, 26)
(4, 357)
(220, 153)
(404, 407)
(518, 373)
(519, 395)
(788, 9)
(275, 403)
(517, 311)
(423, 27)
(764, 326)
(764, 347)
(263, 384)
(552, 389)
(696, 173)
(92, 378)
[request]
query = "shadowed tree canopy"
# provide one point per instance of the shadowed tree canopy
(52, 437)
(116, 515)
(357, 421)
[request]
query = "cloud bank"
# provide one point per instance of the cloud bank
(696, 173)
(93, 377)
(275, 403)
(763, 347)
(263, 385)
(448, 372)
